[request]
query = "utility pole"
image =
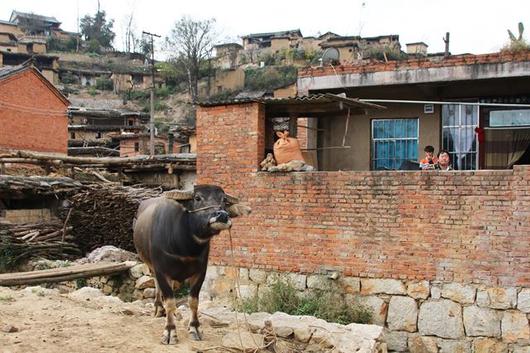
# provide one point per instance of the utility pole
(152, 118)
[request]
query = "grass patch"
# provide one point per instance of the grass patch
(6, 298)
(80, 283)
(183, 291)
(329, 306)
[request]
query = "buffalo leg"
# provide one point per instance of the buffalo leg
(159, 307)
(170, 333)
(193, 301)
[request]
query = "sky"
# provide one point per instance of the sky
(476, 26)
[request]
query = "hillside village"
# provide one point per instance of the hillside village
(99, 80)
(369, 195)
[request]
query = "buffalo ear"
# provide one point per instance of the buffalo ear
(231, 200)
(239, 209)
(179, 195)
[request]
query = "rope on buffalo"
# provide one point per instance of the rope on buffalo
(237, 298)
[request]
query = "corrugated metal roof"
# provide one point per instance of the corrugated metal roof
(299, 100)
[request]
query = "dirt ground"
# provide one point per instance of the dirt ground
(47, 321)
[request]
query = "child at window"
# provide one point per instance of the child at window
(429, 161)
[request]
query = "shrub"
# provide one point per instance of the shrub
(69, 90)
(379, 53)
(93, 46)
(56, 44)
(517, 43)
(92, 91)
(69, 78)
(329, 306)
(269, 78)
(164, 92)
(159, 106)
(104, 84)
(312, 56)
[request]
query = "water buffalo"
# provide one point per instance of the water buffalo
(173, 239)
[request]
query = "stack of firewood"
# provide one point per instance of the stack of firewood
(36, 185)
(103, 215)
(20, 242)
(38, 232)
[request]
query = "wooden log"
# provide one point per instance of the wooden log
(63, 273)
(107, 161)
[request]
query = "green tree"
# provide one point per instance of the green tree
(191, 43)
(98, 28)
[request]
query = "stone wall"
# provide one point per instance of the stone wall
(419, 316)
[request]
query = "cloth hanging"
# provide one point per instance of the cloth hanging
(504, 147)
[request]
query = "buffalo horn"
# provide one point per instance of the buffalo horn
(231, 199)
(179, 195)
(239, 209)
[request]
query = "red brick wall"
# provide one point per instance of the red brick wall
(451, 226)
(32, 117)
(228, 142)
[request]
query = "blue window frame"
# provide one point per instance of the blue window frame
(394, 141)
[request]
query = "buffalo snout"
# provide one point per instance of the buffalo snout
(221, 216)
(220, 220)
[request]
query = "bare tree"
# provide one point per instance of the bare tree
(131, 40)
(190, 44)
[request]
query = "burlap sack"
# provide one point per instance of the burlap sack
(287, 149)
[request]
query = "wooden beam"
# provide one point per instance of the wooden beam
(63, 273)
(107, 161)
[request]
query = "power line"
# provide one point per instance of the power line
(37, 111)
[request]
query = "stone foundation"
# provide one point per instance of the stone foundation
(418, 316)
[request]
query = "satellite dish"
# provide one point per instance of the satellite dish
(330, 56)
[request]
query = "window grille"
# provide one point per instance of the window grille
(394, 141)
(458, 135)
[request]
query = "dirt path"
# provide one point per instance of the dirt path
(50, 322)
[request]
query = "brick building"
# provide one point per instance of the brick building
(475, 106)
(419, 248)
(33, 113)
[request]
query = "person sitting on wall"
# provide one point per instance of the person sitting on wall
(444, 161)
(429, 162)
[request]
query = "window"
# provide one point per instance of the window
(458, 134)
(72, 135)
(98, 135)
(185, 148)
(136, 147)
(510, 118)
(394, 141)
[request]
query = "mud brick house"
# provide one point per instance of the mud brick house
(475, 106)
(272, 40)
(33, 113)
(90, 125)
(47, 64)
(138, 144)
(441, 258)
